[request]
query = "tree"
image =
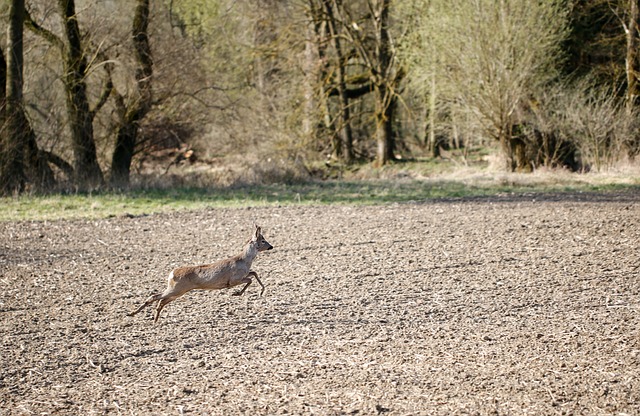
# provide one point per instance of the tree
(371, 39)
(88, 174)
(12, 176)
(627, 13)
(98, 90)
(632, 61)
(491, 59)
(342, 148)
(86, 170)
(632, 70)
(21, 162)
(360, 62)
(139, 106)
(385, 76)
(334, 82)
(3, 91)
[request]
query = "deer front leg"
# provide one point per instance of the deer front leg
(248, 281)
(146, 303)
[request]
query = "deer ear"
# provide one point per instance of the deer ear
(258, 231)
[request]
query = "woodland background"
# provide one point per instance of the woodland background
(101, 93)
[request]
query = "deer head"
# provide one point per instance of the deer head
(259, 241)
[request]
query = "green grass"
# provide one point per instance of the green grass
(365, 192)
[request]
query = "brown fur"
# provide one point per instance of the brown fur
(223, 274)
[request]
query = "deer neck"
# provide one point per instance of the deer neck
(250, 252)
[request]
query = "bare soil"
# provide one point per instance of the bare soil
(504, 305)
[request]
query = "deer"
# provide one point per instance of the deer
(222, 274)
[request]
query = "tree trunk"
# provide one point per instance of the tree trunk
(123, 154)
(12, 177)
(434, 149)
(3, 91)
(38, 172)
(384, 79)
(87, 171)
(312, 79)
(343, 149)
(310, 59)
(128, 132)
(521, 162)
(632, 61)
(21, 162)
(385, 107)
(320, 28)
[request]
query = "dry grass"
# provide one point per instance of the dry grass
(479, 170)
(246, 182)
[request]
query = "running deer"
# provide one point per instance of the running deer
(223, 274)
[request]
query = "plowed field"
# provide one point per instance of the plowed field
(504, 305)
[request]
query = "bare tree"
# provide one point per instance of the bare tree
(372, 43)
(628, 13)
(343, 148)
(361, 61)
(12, 176)
(139, 106)
(386, 77)
(87, 172)
(632, 61)
(492, 57)
(3, 91)
(21, 162)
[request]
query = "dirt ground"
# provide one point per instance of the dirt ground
(504, 305)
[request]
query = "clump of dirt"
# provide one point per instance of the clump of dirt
(494, 305)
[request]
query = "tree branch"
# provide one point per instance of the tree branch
(59, 162)
(106, 90)
(42, 32)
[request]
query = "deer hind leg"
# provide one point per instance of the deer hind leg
(146, 303)
(248, 281)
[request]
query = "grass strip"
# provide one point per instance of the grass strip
(370, 192)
